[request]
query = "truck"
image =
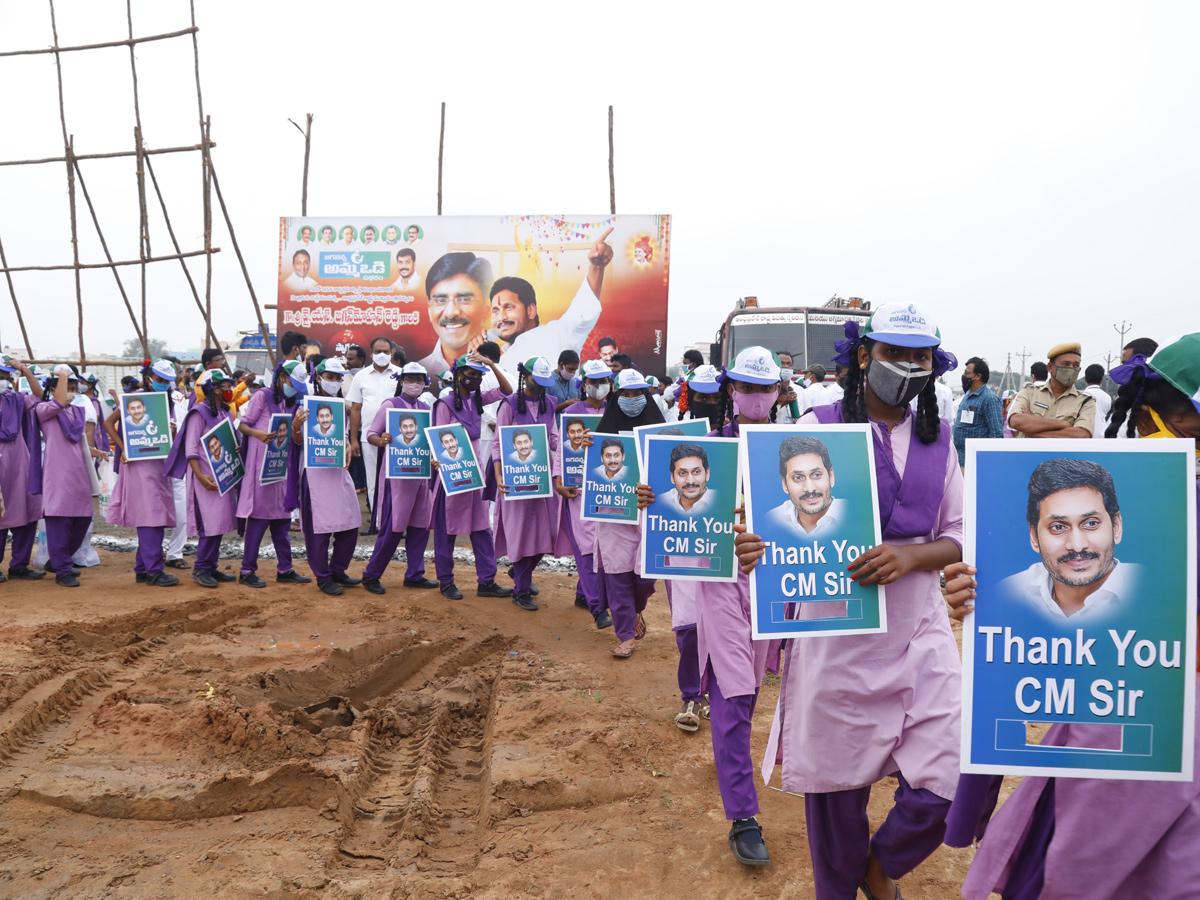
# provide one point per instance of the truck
(806, 332)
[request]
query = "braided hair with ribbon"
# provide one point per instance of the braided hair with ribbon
(457, 374)
(541, 391)
(1141, 388)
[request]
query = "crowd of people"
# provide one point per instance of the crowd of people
(853, 709)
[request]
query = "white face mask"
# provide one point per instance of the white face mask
(785, 375)
(71, 395)
(598, 391)
(381, 359)
(330, 387)
(5, 386)
(565, 374)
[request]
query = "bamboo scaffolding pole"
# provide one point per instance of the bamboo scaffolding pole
(129, 42)
(138, 135)
(206, 171)
(612, 183)
(12, 293)
(307, 132)
(107, 265)
(175, 243)
(441, 148)
(262, 328)
(117, 154)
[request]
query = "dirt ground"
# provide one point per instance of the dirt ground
(237, 743)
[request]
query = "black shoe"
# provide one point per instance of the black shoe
(450, 591)
(3, 577)
(491, 589)
(332, 588)
(67, 580)
(139, 577)
(581, 601)
(603, 619)
(343, 578)
(26, 574)
(374, 585)
(162, 579)
(533, 589)
(223, 576)
(251, 579)
(204, 578)
(292, 577)
(75, 573)
(421, 582)
(525, 601)
(746, 841)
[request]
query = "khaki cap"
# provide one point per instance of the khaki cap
(1069, 347)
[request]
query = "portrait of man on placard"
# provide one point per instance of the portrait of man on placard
(807, 478)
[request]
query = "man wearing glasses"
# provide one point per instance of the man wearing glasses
(460, 311)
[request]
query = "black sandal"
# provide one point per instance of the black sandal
(176, 564)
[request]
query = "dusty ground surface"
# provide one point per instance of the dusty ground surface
(237, 743)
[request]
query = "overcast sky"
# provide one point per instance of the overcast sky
(1026, 170)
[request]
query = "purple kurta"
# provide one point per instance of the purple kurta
(411, 498)
(66, 485)
(217, 513)
(333, 499)
(467, 512)
(527, 528)
(143, 496)
(723, 636)
(20, 506)
(261, 501)
(856, 708)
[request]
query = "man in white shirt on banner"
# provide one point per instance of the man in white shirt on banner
(299, 282)
(370, 387)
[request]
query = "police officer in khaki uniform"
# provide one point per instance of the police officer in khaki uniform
(1055, 409)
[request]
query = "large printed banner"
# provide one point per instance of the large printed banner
(1086, 609)
(428, 284)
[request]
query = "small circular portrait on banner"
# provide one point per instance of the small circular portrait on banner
(369, 234)
(347, 235)
(306, 235)
(642, 251)
(413, 235)
(326, 235)
(391, 235)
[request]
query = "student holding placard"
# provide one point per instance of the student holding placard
(264, 505)
(404, 506)
(597, 383)
(1063, 837)
(20, 469)
(325, 495)
(466, 513)
(858, 708)
(617, 545)
(210, 515)
(143, 497)
(528, 529)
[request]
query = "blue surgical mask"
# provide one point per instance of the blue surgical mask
(289, 391)
(160, 386)
(632, 406)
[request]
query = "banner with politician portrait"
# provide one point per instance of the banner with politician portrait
(438, 285)
(693, 427)
(275, 458)
(571, 450)
(525, 461)
(1085, 610)
(458, 468)
(610, 479)
(146, 425)
(810, 494)
(325, 432)
(687, 532)
(224, 463)
(408, 454)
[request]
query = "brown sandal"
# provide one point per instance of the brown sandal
(639, 627)
(621, 651)
(688, 719)
(176, 564)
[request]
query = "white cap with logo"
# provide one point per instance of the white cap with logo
(756, 365)
(903, 325)
(630, 379)
(596, 368)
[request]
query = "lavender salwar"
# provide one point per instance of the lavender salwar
(443, 547)
(404, 506)
(263, 506)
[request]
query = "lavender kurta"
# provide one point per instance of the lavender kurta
(255, 500)
(723, 636)
(411, 498)
(467, 512)
(527, 528)
(584, 531)
(20, 506)
(333, 500)
(66, 485)
(855, 708)
(216, 512)
(143, 496)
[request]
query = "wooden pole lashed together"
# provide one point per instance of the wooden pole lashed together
(441, 148)
(12, 293)
(612, 183)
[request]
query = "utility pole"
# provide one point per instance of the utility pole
(1023, 355)
(1123, 330)
(612, 184)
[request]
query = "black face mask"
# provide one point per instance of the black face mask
(967, 382)
(896, 383)
(704, 411)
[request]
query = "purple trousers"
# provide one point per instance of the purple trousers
(689, 664)
(624, 595)
(208, 553)
(589, 580)
(324, 566)
(730, 722)
(256, 529)
(523, 572)
(443, 548)
(839, 835)
(150, 550)
(23, 539)
(64, 536)
(415, 540)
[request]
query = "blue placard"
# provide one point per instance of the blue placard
(687, 532)
(692, 427)
(275, 458)
(610, 478)
(408, 453)
(325, 433)
(145, 426)
(220, 448)
(525, 461)
(1086, 608)
(571, 451)
(811, 496)
(458, 469)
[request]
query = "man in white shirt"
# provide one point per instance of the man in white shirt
(690, 494)
(1093, 376)
(806, 472)
(370, 387)
(945, 401)
(299, 282)
(409, 281)
(515, 314)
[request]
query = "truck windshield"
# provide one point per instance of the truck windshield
(775, 331)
